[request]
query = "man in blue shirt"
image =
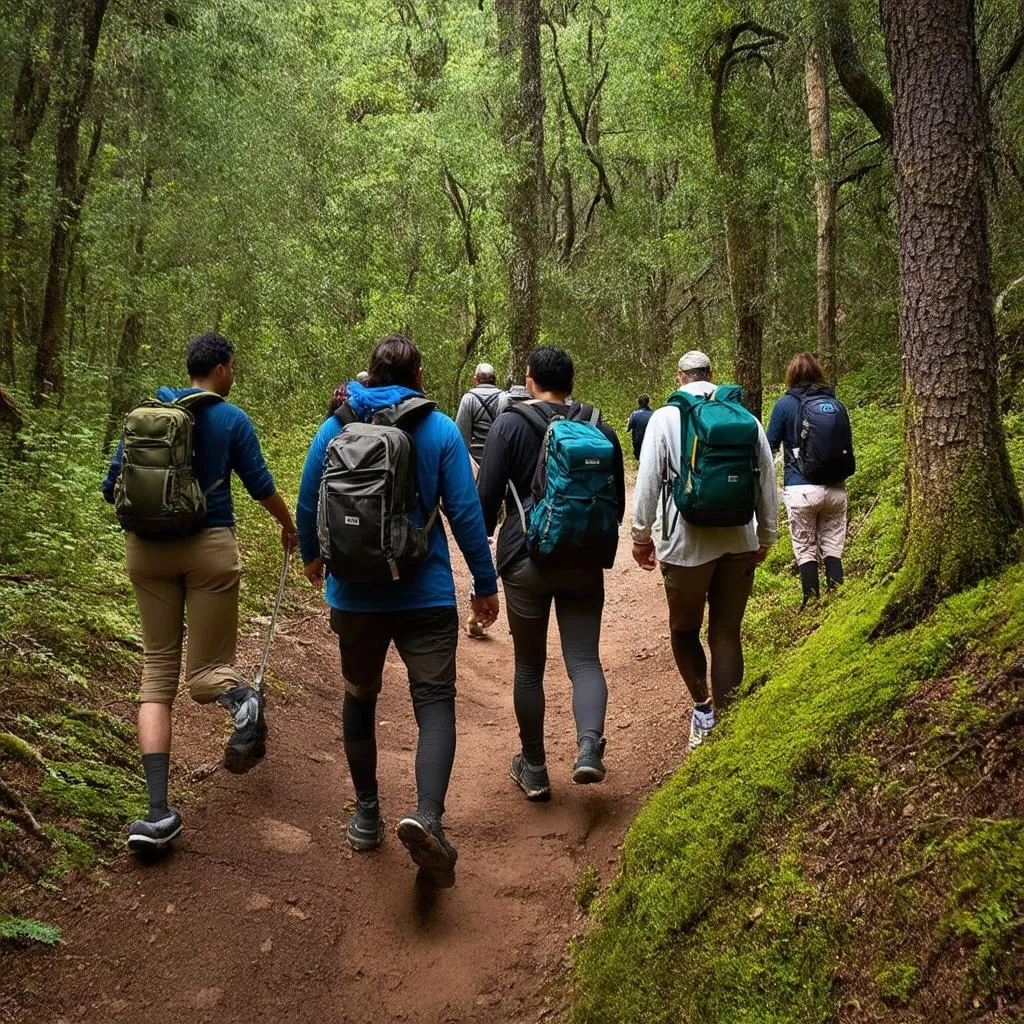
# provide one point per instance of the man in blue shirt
(637, 425)
(196, 577)
(417, 611)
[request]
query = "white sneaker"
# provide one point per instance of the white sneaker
(701, 724)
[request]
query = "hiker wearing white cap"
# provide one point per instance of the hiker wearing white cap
(479, 408)
(705, 508)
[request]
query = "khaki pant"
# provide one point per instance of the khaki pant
(194, 577)
(817, 521)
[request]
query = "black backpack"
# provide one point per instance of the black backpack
(366, 494)
(824, 454)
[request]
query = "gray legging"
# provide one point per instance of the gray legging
(578, 595)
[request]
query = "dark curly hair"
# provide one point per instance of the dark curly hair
(206, 352)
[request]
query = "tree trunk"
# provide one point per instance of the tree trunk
(964, 506)
(522, 131)
(816, 90)
(71, 183)
(746, 246)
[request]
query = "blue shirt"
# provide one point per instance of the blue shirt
(443, 474)
(784, 429)
(225, 442)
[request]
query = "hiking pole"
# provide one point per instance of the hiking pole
(257, 682)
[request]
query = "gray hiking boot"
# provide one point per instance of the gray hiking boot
(248, 743)
(532, 779)
(589, 767)
(366, 829)
(422, 835)
(145, 836)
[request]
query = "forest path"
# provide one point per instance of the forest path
(263, 914)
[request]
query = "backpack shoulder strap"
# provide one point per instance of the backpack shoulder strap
(488, 402)
(582, 412)
(534, 415)
(345, 415)
(406, 413)
(197, 399)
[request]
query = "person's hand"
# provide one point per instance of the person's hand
(643, 555)
(315, 572)
(485, 609)
(289, 538)
(762, 554)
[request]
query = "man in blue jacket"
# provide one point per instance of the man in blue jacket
(417, 612)
(196, 577)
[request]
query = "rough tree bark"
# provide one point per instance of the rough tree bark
(522, 131)
(746, 231)
(964, 506)
(71, 179)
(818, 115)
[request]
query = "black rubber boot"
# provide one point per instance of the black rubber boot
(833, 572)
(809, 579)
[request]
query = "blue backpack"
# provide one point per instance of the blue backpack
(571, 516)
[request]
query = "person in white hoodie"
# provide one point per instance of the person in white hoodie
(702, 566)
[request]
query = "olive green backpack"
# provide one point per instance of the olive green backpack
(156, 493)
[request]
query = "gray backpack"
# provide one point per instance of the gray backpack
(156, 493)
(366, 494)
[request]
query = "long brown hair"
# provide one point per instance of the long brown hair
(395, 360)
(804, 371)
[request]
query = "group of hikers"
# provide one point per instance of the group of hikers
(384, 471)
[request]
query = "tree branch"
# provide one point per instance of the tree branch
(994, 86)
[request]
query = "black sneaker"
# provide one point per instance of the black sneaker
(366, 829)
(532, 779)
(421, 834)
(589, 767)
(248, 743)
(144, 836)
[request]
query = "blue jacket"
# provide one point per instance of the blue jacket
(225, 443)
(443, 473)
(784, 429)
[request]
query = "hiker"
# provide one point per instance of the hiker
(637, 424)
(813, 428)
(479, 408)
(515, 393)
(183, 564)
(537, 570)
(708, 530)
(399, 589)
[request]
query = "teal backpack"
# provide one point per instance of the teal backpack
(719, 469)
(571, 516)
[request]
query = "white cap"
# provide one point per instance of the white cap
(694, 360)
(484, 370)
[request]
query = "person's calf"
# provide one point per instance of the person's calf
(692, 662)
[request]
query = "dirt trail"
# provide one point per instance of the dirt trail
(263, 913)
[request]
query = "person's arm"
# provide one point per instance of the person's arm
(111, 478)
(493, 476)
(464, 418)
(619, 473)
(309, 495)
(248, 462)
(776, 425)
(768, 497)
(462, 508)
(647, 490)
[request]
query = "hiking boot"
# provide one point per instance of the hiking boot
(833, 572)
(809, 582)
(145, 836)
(366, 829)
(421, 834)
(702, 722)
(589, 767)
(248, 743)
(474, 629)
(532, 779)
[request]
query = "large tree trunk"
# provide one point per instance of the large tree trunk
(816, 91)
(522, 130)
(71, 184)
(964, 505)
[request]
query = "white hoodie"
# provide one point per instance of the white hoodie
(659, 466)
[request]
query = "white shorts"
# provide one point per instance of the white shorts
(817, 520)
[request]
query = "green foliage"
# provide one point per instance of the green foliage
(896, 981)
(585, 888)
(23, 929)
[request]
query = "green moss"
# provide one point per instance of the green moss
(22, 930)
(896, 981)
(585, 888)
(99, 797)
(15, 747)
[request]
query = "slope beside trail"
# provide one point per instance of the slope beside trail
(263, 914)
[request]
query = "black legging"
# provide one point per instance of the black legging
(578, 595)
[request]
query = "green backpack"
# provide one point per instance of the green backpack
(156, 493)
(719, 469)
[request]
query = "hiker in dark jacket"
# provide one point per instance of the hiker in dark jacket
(417, 612)
(816, 512)
(197, 577)
(637, 425)
(510, 457)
